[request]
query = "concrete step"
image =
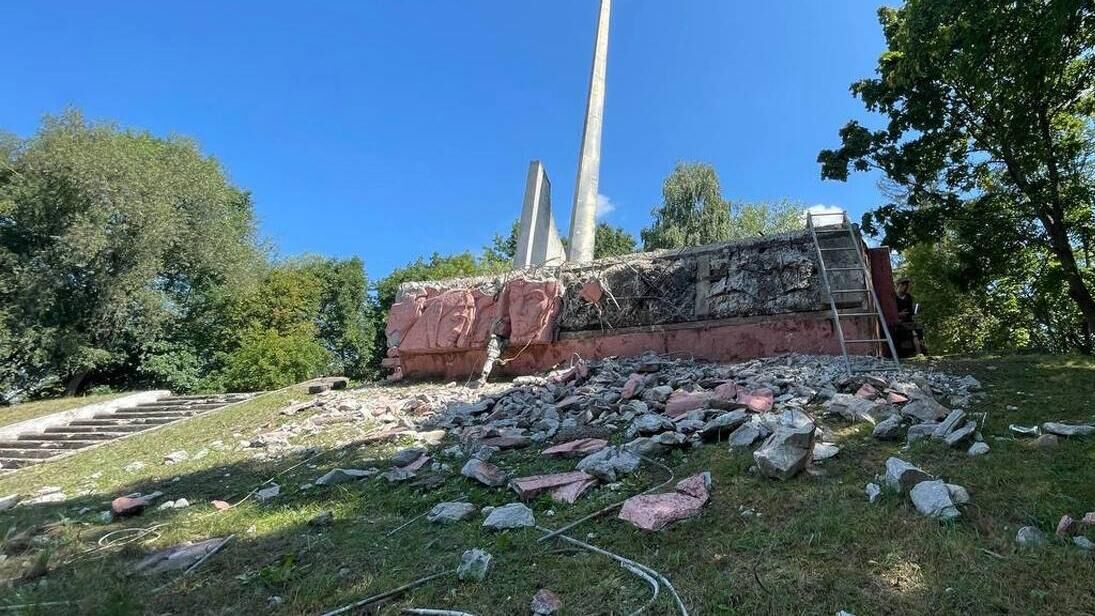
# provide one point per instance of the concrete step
(29, 454)
(172, 415)
(64, 436)
(120, 430)
(132, 421)
(13, 463)
(179, 405)
(55, 445)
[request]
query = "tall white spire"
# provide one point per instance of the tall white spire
(583, 219)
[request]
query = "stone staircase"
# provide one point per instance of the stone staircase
(34, 447)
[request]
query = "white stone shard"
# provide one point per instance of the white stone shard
(538, 241)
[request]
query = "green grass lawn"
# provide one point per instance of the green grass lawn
(40, 408)
(817, 546)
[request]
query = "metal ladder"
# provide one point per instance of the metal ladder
(873, 310)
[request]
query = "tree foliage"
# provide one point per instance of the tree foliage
(611, 241)
(988, 138)
(107, 236)
(693, 212)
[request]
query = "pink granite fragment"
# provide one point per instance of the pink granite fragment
(680, 402)
(631, 387)
(656, 511)
(570, 493)
(533, 308)
(727, 391)
(577, 448)
(1066, 527)
(895, 398)
(758, 401)
(867, 392)
(527, 487)
(592, 291)
(417, 464)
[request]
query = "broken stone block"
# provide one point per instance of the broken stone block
(978, 449)
(660, 393)
(1088, 519)
(726, 423)
(888, 429)
(268, 493)
(787, 451)
(856, 409)
(649, 423)
(513, 515)
(528, 487)
(632, 387)
(1066, 526)
(342, 475)
(397, 475)
(824, 451)
(177, 557)
(422, 460)
(126, 506)
(873, 491)
(483, 472)
(866, 392)
(576, 448)
(758, 401)
(902, 476)
(949, 424)
(609, 463)
(680, 402)
(474, 565)
(505, 442)
(1024, 430)
(933, 499)
(746, 435)
(920, 431)
(403, 457)
(655, 511)
(1063, 429)
(924, 409)
(961, 435)
(959, 495)
(1083, 543)
(175, 457)
(1030, 537)
(449, 513)
(1046, 441)
(571, 492)
(545, 603)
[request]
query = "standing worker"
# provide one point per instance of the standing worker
(909, 330)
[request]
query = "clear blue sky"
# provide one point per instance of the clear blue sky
(391, 129)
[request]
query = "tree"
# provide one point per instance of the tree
(107, 236)
(693, 212)
(988, 135)
(610, 241)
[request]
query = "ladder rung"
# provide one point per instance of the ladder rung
(845, 248)
(857, 314)
(849, 291)
(864, 340)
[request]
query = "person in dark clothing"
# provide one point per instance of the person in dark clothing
(910, 333)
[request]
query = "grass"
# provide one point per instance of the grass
(40, 408)
(817, 546)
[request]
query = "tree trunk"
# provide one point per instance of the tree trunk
(72, 386)
(1077, 288)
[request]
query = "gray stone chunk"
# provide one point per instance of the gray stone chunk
(1063, 429)
(483, 472)
(448, 513)
(961, 435)
(948, 425)
(397, 475)
(1083, 543)
(649, 423)
(474, 565)
(724, 424)
(873, 491)
(786, 452)
(978, 449)
(920, 431)
(902, 476)
(403, 457)
(513, 515)
(747, 434)
(924, 409)
(888, 429)
(933, 499)
(342, 475)
(609, 463)
(1030, 537)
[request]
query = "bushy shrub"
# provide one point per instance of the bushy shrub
(268, 359)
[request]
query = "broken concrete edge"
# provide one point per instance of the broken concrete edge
(549, 272)
(39, 424)
(156, 427)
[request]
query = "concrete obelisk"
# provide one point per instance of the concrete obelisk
(583, 220)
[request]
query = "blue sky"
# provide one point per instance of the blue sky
(398, 128)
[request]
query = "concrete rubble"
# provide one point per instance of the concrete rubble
(177, 557)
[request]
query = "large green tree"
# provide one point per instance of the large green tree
(106, 237)
(987, 138)
(693, 212)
